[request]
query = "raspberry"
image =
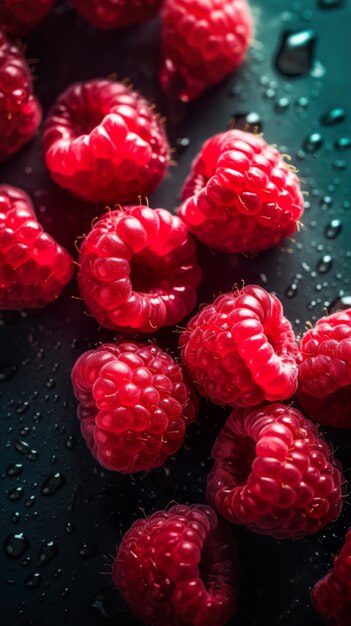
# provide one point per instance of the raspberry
(135, 405)
(241, 350)
(325, 371)
(20, 111)
(240, 195)
(203, 41)
(33, 267)
(18, 17)
(108, 14)
(138, 270)
(331, 596)
(274, 473)
(104, 143)
(177, 568)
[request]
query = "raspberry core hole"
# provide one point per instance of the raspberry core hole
(240, 465)
(146, 272)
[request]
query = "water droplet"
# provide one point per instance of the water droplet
(182, 144)
(331, 4)
(50, 383)
(282, 104)
(15, 494)
(15, 517)
(250, 122)
(333, 229)
(325, 264)
(98, 603)
(15, 545)
(291, 291)
(87, 550)
(70, 528)
(26, 561)
(23, 448)
(71, 442)
(29, 502)
(22, 408)
(15, 469)
(333, 116)
(33, 581)
(302, 103)
(326, 202)
(57, 574)
(47, 552)
(339, 165)
(7, 372)
(313, 142)
(25, 431)
(52, 484)
(295, 55)
(343, 143)
(340, 304)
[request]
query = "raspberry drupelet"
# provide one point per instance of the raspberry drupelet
(18, 17)
(20, 111)
(104, 143)
(178, 568)
(135, 405)
(138, 270)
(274, 473)
(241, 350)
(33, 267)
(240, 195)
(203, 41)
(331, 596)
(325, 370)
(108, 14)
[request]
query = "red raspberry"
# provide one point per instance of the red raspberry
(33, 267)
(325, 371)
(274, 473)
(241, 350)
(138, 270)
(331, 596)
(240, 195)
(20, 111)
(109, 14)
(135, 405)
(178, 568)
(104, 143)
(18, 17)
(203, 41)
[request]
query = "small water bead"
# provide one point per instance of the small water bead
(71, 442)
(325, 264)
(24, 448)
(313, 142)
(15, 545)
(15, 517)
(182, 144)
(340, 304)
(36, 417)
(282, 104)
(333, 229)
(333, 116)
(15, 469)
(33, 581)
(52, 484)
(29, 502)
(87, 550)
(15, 494)
(50, 383)
(22, 407)
(7, 372)
(291, 291)
(296, 52)
(25, 431)
(339, 165)
(47, 552)
(343, 143)
(326, 202)
(70, 528)
(26, 561)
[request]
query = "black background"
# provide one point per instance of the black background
(88, 513)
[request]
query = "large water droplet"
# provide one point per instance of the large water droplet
(15, 494)
(15, 545)
(52, 484)
(343, 143)
(325, 264)
(7, 372)
(33, 581)
(23, 448)
(14, 469)
(47, 552)
(182, 144)
(313, 142)
(296, 51)
(331, 4)
(22, 407)
(333, 229)
(340, 304)
(333, 116)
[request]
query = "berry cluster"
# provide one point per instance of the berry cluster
(135, 405)
(108, 14)
(20, 111)
(18, 17)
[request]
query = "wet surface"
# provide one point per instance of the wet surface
(61, 514)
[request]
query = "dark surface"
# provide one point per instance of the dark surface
(38, 349)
